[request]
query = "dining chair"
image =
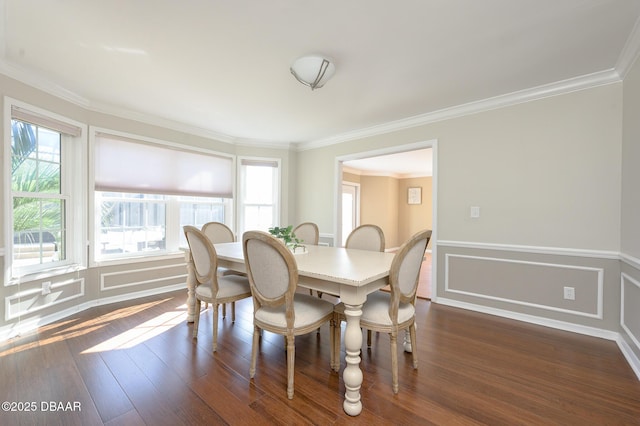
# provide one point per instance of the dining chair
(308, 233)
(273, 276)
(218, 232)
(366, 237)
(210, 287)
(394, 311)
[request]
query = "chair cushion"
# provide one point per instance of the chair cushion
(376, 309)
(308, 309)
(228, 286)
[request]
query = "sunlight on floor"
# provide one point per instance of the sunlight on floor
(142, 332)
(70, 328)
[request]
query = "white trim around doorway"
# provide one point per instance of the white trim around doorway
(433, 144)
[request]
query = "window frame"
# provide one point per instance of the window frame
(73, 189)
(240, 199)
(172, 203)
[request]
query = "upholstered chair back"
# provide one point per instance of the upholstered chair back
(366, 237)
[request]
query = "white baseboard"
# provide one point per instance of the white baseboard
(32, 324)
(532, 319)
(630, 356)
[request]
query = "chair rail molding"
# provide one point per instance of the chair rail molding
(562, 251)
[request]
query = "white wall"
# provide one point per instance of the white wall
(546, 175)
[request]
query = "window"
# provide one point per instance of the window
(259, 195)
(136, 224)
(197, 211)
(141, 210)
(131, 223)
(45, 153)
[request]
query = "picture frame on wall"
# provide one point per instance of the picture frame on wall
(414, 195)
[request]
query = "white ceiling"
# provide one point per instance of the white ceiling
(417, 163)
(221, 68)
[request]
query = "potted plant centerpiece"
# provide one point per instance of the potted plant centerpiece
(288, 237)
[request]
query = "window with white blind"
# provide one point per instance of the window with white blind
(46, 185)
(146, 191)
(259, 195)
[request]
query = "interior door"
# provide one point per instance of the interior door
(350, 209)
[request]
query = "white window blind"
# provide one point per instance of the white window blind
(131, 166)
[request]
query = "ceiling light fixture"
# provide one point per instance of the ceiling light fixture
(313, 70)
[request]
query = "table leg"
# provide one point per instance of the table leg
(191, 285)
(352, 374)
(407, 341)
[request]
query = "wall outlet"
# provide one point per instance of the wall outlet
(46, 287)
(570, 293)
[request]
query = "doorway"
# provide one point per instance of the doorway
(347, 216)
(350, 208)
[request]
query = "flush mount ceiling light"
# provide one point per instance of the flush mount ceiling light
(313, 70)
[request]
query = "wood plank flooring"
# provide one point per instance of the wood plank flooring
(135, 363)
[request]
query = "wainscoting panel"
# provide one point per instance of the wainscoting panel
(28, 302)
(529, 283)
(160, 276)
(629, 312)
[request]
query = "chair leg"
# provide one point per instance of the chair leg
(233, 311)
(196, 320)
(224, 310)
(254, 351)
(368, 338)
(412, 331)
(291, 358)
(215, 326)
(394, 361)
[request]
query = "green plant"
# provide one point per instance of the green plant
(287, 236)
(31, 176)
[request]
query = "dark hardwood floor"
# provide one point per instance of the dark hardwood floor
(135, 363)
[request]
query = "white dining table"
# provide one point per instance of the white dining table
(348, 273)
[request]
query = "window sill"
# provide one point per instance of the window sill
(41, 275)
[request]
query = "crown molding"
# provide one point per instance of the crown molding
(630, 51)
(33, 80)
(548, 90)
(161, 122)
(558, 88)
(260, 143)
